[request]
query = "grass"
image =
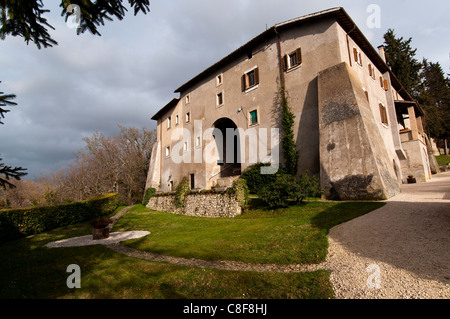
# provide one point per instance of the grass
(443, 160)
(297, 234)
(30, 270)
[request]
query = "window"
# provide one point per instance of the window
(254, 117)
(188, 99)
(169, 122)
(293, 59)
(185, 146)
(167, 151)
(383, 114)
(219, 99)
(197, 141)
(219, 80)
(250, 79)
(357, 56)
(188, 117)
(384, 84)
(367, 95)
(176, 119)
(372, 71)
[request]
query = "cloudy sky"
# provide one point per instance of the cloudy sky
(89, 83)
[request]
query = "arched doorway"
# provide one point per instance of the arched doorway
(231, 164)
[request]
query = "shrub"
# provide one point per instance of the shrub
(181, 191)
(285, 188)
(149, 193)
(309, 186)
(278, 192)
(16, 223)
(255, 180)
(240, 190)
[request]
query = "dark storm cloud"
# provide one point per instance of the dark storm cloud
(89, 83)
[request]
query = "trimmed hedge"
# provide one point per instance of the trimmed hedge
(16, 223)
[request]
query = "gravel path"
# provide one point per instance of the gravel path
(406, 243)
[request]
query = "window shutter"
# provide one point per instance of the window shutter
(256, 76)
(386, 85)
(285, 63)
(355, 54)
(381, 81)
(299, 56)
(243, 82)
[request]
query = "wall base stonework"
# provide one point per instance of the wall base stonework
(200, 205)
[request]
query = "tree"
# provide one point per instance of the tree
(435, 99)
(8, 171)
(400, 57)
(26, 19)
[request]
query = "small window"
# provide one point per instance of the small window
(167, 151)
(197, 141)
(250, 79)
(188, 117)
(367, 95)
(219, 99)
(383, 114)
(357, 56)
(384, 83)
(292, 59)
(371, 71)
(188, 99)
(169, 122)
(185, 146)
(219, 80)
(254, 117)
(177, 120)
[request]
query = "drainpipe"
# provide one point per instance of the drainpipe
(280, 59)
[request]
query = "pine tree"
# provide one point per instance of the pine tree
(26, 19)
(7, 171)
(435, 99)
(400, 57)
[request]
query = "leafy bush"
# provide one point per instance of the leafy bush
(149, 193)
(278, 192)
(181, 191)
(285, 188)
(255, 180)
(309, 186)
(16, 223)
(240, 190)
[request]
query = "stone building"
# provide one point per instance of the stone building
(355, 124)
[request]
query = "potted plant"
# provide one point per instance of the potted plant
(101, 229)
(411, 179)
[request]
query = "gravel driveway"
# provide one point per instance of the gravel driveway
(399, 251)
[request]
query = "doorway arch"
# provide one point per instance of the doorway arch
(230, 166)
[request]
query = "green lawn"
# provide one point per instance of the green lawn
(443, 160)
(293, 235)
(30, 270)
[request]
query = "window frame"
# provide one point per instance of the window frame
(383, 114)
(220, 101)
(187, 117)
(245, 80)
(287, 60)
(168, 152)
(357, 57)
(250, 117)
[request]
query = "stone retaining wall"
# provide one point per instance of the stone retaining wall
(200, 205)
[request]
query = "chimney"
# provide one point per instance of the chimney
(382, 53)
